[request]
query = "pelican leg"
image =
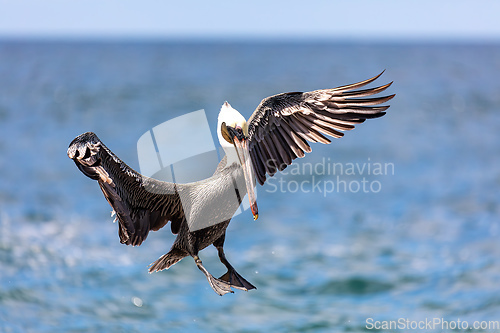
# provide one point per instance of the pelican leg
(232, 277)
(219, 286)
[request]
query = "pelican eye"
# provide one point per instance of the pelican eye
(225, 133)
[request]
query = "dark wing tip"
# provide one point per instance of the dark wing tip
(85, 137)
(358, 84)
(74, 149)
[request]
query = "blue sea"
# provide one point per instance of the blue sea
(420, 241)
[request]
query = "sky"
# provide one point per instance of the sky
(256, 19)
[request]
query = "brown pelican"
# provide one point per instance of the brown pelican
(276, 134)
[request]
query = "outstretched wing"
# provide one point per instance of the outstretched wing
(282, 125)
(141, 204)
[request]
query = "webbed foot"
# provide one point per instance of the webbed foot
(237, 281)
(219, 286)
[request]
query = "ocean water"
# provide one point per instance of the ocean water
(419, 241)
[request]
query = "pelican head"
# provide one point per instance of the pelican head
(230, 122)
(232, 131)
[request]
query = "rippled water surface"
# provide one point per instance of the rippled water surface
(422, 242)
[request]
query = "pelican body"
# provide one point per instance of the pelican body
(278, 132)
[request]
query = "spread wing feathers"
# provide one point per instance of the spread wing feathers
(282, 125)
(141, 204)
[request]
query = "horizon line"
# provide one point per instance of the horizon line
(92, 38)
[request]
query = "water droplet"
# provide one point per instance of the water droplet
(137, 301)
